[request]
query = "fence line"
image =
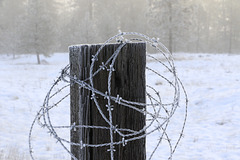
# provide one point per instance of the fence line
(158, 113)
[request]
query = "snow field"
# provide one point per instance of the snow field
(212, 131)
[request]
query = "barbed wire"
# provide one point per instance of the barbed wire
(158, 121)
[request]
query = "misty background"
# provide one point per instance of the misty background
(48, 26)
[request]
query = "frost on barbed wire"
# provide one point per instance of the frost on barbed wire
(159, 109)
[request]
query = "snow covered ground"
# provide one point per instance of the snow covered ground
(212, 131)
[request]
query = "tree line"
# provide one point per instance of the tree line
(47, 26)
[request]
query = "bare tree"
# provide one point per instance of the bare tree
(39, 36)
(170, 20)
(10, 26)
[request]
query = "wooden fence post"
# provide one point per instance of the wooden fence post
(128, 81)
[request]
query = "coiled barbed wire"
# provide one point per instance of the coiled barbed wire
(158, 121)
